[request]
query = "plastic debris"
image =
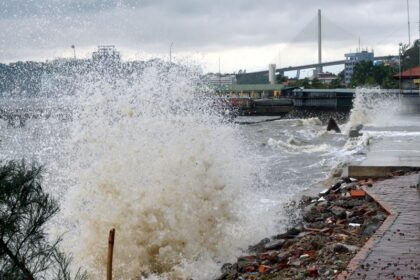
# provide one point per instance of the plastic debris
(354, 224)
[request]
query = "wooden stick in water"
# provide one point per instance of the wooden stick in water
(111, 238)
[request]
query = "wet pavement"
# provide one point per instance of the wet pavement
(390, 152)
(395, 251)
(387, 156)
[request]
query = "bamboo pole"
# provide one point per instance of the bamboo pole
(110, 254)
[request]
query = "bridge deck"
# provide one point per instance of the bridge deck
(314, 65)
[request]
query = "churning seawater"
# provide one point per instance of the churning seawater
(149, 155)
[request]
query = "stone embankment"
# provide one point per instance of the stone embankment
(330, 230)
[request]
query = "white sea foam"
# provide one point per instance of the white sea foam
(357, 144)
(308, 122)
(150, 157)
(294, 146)
(153, 160)
(374, 107)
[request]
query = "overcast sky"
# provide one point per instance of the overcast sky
(245, 34)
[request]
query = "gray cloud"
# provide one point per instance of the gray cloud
(31, 27)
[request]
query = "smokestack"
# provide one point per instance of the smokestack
(319, 42)
(272, 73)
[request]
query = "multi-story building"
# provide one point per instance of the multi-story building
(351, 60)
(220, 80)
(326, 78)
(106, 53)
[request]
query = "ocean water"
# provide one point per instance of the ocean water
(185, 189)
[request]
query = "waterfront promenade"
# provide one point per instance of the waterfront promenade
(387, 156)
(393, 252)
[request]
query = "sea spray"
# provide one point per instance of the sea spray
(373, 106)
(128, 132)
(154, 160)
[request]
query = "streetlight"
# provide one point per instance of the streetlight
(74, 51)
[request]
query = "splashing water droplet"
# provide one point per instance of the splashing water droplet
(154, 160)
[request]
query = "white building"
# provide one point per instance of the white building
(326, 78)
(219, 80)
(106, 53)
(351, 60)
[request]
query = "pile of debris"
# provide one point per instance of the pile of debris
(331, 229)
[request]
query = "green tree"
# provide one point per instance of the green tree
(302, 83)
(336, 83)
(410, 56)
(367, 74)
(25, 252)
(280, 79)
(316, 83)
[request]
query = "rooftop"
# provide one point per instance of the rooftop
(252, 87)
(412, 73)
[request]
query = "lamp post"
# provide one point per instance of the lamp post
(74, 51)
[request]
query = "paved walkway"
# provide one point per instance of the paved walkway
(387, 156)
(395, 252)
(390, 152)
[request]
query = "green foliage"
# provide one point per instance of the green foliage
(280, 79)
(410, 56)
(337, 83)
(367, 74)
(302, 83)
(25, 252)
(30, 78)
(316, 83)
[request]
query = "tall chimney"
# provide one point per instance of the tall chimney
(319, 43)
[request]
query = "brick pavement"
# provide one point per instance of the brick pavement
(394, 251)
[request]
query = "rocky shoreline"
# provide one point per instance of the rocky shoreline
(326, 233)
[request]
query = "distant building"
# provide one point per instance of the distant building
(408, 78)
(254, 91)
(220, 80)
(326, 78)
(351, 60)
(106, 53)
(252, 78)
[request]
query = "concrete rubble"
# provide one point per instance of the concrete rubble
(329, 231)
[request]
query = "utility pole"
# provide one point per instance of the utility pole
(319, 43)
(170, 52)
(220, 75)
(408, 20)
(418, 45)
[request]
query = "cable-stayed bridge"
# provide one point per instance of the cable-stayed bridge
(315, 65)
(325, 28)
